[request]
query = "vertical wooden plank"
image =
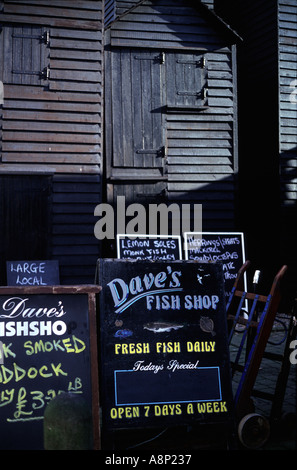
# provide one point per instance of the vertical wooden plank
(36, 54)
(127, 117)
(94, 370)
(147, 93)
(117, 115)
(17, 54)
(136, 81)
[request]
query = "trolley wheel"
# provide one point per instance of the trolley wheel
(253, 430)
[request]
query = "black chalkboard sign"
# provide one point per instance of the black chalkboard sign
(223, 247)
(150, 247)
(164, 345)
(33, 273)
(47, 348)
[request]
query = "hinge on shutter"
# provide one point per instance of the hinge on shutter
(199, 94)
(160, 152)
(199, 63)
(202, 62)
(44, 37)
(44, 74)
(160, 58)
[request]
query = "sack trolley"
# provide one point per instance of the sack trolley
(253, 429)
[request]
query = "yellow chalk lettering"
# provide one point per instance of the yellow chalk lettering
(18, 372)
(128, 412)
(57, 345)
(190, 409)
(48, 346)
(169, 347)
(76, 342)
(223, 407)
(28, 345)
(57, 369)
(201, 407)
(209, 407)
(138, 348)
(43, 374)
(158, 347)
(146, 348)
(131, 348)
(6, 350)
(113, 413)
(6, 375)
(32, 373)
(201, 346)
(68, 346)
(157, 410)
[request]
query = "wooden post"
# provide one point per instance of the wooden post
(67, 424)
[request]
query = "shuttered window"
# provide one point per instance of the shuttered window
(186, 80)
(25, 55)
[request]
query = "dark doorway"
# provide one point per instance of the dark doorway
(25, 211)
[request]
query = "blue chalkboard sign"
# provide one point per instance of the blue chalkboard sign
(32, 273)
(226, 248)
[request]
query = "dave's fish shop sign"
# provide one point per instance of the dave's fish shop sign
(164, 343)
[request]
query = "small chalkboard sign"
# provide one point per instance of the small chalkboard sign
(33, 273)
(164, 348)
(223, 247)
(48, 347)
(150, 247)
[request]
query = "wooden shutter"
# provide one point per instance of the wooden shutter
(186, 80)
(25, 55)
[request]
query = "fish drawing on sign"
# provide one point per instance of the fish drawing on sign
(161, 327)
(123, 333)
(207, 325)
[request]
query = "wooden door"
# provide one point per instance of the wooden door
(137, 101)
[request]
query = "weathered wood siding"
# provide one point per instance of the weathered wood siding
(52, 116)
(199, 134)
(288, 99)
(256, 22)
(287, 22)
(53, 85)
(73, 242)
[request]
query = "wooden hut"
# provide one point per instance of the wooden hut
(267, 81)
(171, 107)
(170, 96)
(51, 133)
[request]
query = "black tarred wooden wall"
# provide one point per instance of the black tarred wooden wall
(267, 74)
(51, 131)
